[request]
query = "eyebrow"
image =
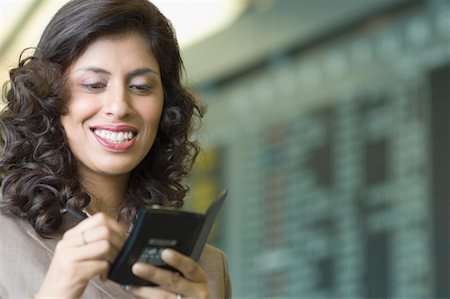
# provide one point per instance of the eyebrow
(92, 69)
(142, 71)
(135, 73)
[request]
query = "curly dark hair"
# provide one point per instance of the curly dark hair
(38, 172)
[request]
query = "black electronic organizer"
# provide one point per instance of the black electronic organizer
(158, 228)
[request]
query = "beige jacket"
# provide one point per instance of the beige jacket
(25, 258)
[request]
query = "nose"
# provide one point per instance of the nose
(117, 103)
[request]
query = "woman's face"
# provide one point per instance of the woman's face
(116, 100)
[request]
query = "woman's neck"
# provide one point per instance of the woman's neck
(106, 192)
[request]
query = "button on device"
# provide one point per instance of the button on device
(151, 255)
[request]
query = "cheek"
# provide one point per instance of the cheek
(80, 108)
(82, 105)
(151, 114)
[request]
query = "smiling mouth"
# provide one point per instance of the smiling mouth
(115, 137)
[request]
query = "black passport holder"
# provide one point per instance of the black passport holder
(155, 229)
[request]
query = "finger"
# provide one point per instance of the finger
(85, 224)
(187, 266)
(100, 250)
(101, 227)
(91, 236)
(101, 233)
(98, 219)
(169, 280)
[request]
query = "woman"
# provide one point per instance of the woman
(97, 120)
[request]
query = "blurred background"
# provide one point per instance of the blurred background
(328, 122)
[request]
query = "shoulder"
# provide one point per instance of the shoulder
(14, 238)
(214, 263)
(19, 237)
(13, 225)
(22, 260)
(18, 230)
(212, 256)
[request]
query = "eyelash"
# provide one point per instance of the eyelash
(138, 88)
(94, 86)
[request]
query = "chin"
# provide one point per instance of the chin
(115, 171)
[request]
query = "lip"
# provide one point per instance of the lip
(115, 128)
(115, 147)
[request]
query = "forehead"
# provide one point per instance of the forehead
(116, 50)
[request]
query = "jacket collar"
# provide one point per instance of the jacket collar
(109, 288)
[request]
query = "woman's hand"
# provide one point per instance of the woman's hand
(84, 252)
(192, 284)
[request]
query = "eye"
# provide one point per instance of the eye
(140, 88)
(95, 86)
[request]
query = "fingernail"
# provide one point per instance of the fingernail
(142, 268)
(166, 254)
(136, 268)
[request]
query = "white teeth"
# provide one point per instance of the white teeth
(120, 137)
(114, 137)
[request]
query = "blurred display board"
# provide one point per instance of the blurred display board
(353, 199)
(338, 164)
